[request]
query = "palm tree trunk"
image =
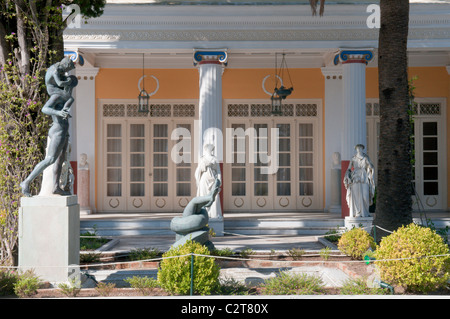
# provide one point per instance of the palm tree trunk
(394, 167)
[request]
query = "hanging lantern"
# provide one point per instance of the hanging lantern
(144, 97)
(276, 104)
(280, 93)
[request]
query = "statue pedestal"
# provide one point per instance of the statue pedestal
(359, 222)
(217, 225)
(49, 237)
(83, 190)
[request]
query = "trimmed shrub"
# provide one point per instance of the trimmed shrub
(174, 274)
(286, 283)
(355, 243)
(416, 272)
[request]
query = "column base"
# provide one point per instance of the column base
(49, 237)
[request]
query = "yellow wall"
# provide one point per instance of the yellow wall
(246, 84)
(183, 83)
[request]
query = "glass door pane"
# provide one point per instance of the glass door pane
(160, 168)
(306, 159)
(114, 168)
(185, 188)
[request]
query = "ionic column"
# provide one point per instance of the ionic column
(354, 129)
(211, 65)
(84, 118)
(354, 98)
(333, 133)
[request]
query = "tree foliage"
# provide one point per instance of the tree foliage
(30, 41)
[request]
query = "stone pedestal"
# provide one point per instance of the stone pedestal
(217, 225)
(359, 222)
(335, 202)
(83, 190)
(49, 237)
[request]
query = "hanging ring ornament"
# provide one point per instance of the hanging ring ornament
(306, 205)
(117, 203)
(264, 84)
(157, 203)
(140, 202)
(264, 202)
(157, 84)
(241, 202)
(428, 201)
(285, 203)
(185, 202)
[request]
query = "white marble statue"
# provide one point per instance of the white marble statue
(208, 170)
(360, 184)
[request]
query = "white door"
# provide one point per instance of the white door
(429, 149)
(294, 184)
(139, 170)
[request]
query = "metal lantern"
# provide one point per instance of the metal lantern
(280, 93)
(144, 97)
(276, 104)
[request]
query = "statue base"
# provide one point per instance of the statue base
(49, 237)
(217, 226)
(359, 222)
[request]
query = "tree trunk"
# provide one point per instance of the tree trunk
(394, 205)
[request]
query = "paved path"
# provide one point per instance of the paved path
(234, 242)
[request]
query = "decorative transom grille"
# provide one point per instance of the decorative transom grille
(306, 110)
(156, 110)
(263, 110)
(114, 110)
(160, 110)
(260, 110)
(238, 110)
(430, 108)
(132, 111)
(184, 110)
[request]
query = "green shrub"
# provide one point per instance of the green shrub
(416, 272)
(174, 274)
(358, 286)
(144, 253)
(142, 283)
(71, 289)
(7, 281)
(355, 243)
(27, 284)
(293, 284)
(105, 289)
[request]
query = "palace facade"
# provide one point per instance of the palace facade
(214, 64)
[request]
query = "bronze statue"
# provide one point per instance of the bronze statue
(59, 87)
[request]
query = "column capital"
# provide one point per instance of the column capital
(353, 56)
(86, 73)
(210, 56)
(332, 72)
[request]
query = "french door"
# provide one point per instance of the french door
(277, 166)
(143, 167)
(429, 149)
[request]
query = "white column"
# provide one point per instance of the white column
(211, 66)
(354, 98)
(333, 132)
(84, 118)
